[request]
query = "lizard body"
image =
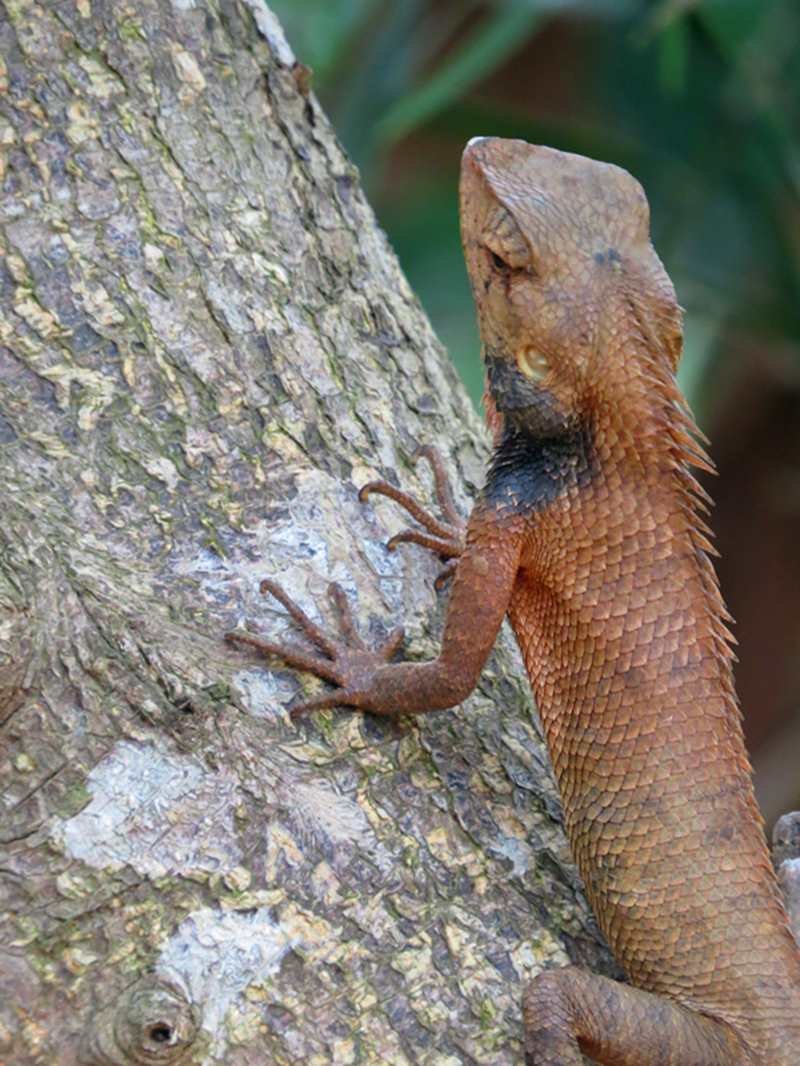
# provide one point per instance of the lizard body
(587, 536)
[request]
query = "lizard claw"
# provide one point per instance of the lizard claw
(446, 538)
(445, 574)
(348, 663)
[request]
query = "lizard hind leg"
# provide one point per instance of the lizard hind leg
(568, 1013)
(786, 857)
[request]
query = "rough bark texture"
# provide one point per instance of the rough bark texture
(206, 348)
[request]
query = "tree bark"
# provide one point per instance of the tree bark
(207, 348)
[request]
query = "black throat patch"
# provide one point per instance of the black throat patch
(528, 472)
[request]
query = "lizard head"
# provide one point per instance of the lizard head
(576, 313)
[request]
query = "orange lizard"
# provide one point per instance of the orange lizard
(587, 536)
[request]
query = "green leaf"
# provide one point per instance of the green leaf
(489, 45)
(673, 58)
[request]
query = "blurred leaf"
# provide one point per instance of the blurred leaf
(673, 57)
(319, 30)
(732, 23)
(378, 67)
(491, 42)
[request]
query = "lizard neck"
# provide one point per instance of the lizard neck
(617, 606)
(618, 561)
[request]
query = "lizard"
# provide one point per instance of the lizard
(589, 536)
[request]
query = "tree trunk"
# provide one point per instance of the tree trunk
(207, 347)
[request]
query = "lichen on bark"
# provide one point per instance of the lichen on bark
(206, 347)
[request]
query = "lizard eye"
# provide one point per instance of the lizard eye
(505, 244)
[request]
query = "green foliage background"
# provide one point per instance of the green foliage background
(700, 100)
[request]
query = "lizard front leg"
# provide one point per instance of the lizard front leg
(482, 586)
(349, 662)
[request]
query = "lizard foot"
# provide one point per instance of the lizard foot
(349, 665)
(446, 538)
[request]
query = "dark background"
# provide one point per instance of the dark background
(701, 102)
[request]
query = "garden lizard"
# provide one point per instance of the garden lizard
(588, 536)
